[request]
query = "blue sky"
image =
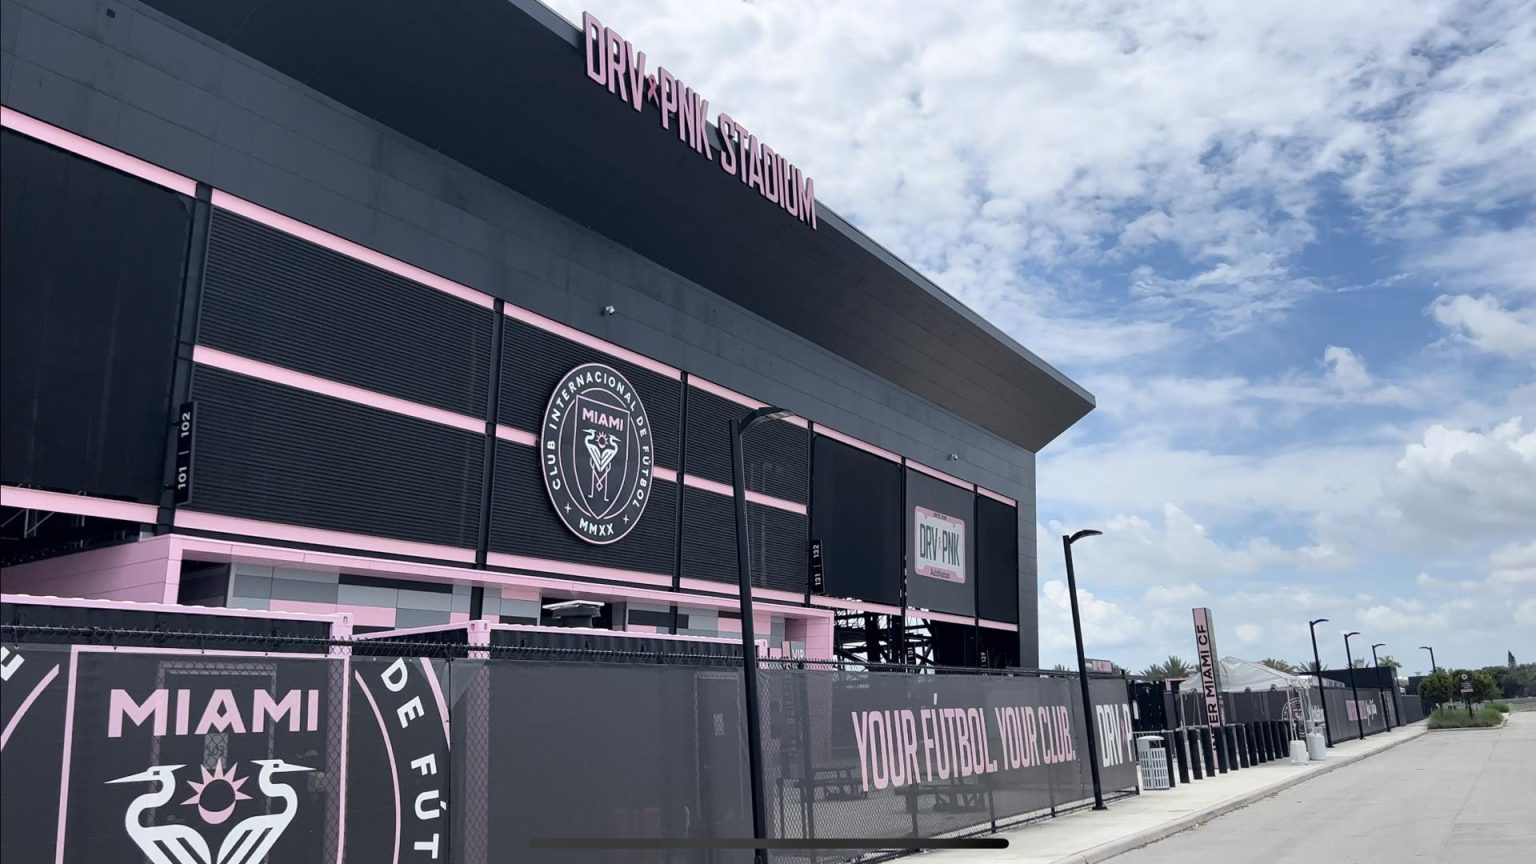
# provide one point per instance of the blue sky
(1291, 248)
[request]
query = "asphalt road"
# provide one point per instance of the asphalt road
(1461, 797)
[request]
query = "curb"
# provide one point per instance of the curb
(1145, 837)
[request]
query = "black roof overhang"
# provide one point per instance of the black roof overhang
(481, 80)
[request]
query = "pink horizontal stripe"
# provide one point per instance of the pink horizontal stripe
(517, 436)
(524, 562)
(303, 231)
(999, 625)
(631, 633)
(371, 616)
(193, 520)
(855, 605)
(941, 616)
(303, 381)
(305, 607)
(934, 472)
(854, 442)
(136, 606)
(50, 134)
(566, 332)
(78, 505)
(755, 497)
(732, 590)
(740, 399)
(996, 497)
(666, 474)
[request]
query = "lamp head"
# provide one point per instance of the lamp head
(1378, 645)
(1086, 532)
(1318, 621)
(1351, 633)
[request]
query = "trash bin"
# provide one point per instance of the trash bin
(1152, 754)
(1317, 749)
(1298, 753)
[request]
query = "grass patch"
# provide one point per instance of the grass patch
(1447, 717)
(1501, 707)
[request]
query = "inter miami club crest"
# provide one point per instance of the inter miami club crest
(596, 452)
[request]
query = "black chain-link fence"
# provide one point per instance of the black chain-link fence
(368, 750)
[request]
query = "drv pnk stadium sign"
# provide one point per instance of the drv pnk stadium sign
(614, 63)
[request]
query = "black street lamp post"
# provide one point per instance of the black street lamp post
(1432, 667)
(1392, 676)
(1317, 669)
(1350, 659)
(1082, 664)
(748, 638)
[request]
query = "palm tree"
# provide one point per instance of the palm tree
(1060, 667)
(1390, 662)
(1277, 665)
(1308, 666)
(1175, 667)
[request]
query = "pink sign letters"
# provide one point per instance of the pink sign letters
(614, 63)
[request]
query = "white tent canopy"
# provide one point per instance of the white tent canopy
(1238, 675)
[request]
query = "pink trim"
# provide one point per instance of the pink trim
(78, 505)
(346, 724)
(412, 631)
(941, 616)
(69, 746)
(389, 753)
(145, 570)
(302, 607)
(137, 606)
(622, 634)
(26, 703)
(256, 212)
(856, 443)
(551, 326)
(193, 520)
(740, 399)
(947, 478)
(997, 497)
(523, 562)
(458, 617)
(999, 625)
(374, 616)
(517, 436)
(755, 497)
(666, 474)
(50, 134)
(437, 696)
(302, 381)
(855, 605)
(731, 590)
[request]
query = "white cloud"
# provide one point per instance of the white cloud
(1248, 633)
(1105, 624)
(1346, 371)
(1468, 481)
(1486, 325)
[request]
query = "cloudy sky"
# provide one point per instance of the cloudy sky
(1290, 247)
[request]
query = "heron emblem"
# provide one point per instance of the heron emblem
(249, 842)
(601, 447)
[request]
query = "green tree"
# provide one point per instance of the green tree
(1175, 667)
(1390, 662)
(1060, 667)
(1278, 665)
(1438, 687)
(1307, 666)
(1483, 686)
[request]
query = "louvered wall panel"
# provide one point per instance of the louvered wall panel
(777, 454)
(778, 543)
(273, 297)
(535, 360)
(997, 560)
(523, 522)
(269, 452)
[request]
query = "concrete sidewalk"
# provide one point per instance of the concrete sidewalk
(1086, 837)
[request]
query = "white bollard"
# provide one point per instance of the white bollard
(1298, 753)
(1317, 748)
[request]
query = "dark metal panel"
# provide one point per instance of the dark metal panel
(269, 452)
(997, 560)
(273, 297)
(91, 274)
(927, 592)
(856, 514)
(523, 521)
(777, 541)
(534, 361)
(776, 455)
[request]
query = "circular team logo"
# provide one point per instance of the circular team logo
(595, 446)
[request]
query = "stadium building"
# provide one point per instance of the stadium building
(436, 314)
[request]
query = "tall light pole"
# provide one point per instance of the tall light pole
(748, 639)
(1082, 664)
(1432, 667)
(1392, 676)
(1350, 659)
(1317, 669)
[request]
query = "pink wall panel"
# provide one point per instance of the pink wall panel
(147, 571)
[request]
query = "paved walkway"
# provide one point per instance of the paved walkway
(1086, 836)
(1451, 796)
